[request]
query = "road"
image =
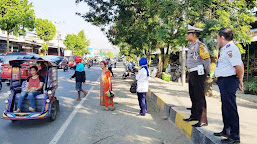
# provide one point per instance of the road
(86, 123)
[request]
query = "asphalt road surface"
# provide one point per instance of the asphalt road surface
(85, 122)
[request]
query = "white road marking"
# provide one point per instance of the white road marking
(59, 134)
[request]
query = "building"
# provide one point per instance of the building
(30, 43)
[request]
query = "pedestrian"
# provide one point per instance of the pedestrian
(142, 85)
(230, 72)
(110, 67)
(198, 62)
(105, 87)
(80, 76)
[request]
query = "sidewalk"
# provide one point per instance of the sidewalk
(173, 99)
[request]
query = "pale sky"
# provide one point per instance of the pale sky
(63, 12)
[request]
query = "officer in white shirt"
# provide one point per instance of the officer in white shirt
(230, 72)
(198, 62)
(142, 85)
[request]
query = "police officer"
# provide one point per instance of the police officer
(198, 62)
(230, 72)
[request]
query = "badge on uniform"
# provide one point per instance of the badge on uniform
(203, 52)
(193, 48)
(230, 54)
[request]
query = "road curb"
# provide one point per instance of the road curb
(176, 116)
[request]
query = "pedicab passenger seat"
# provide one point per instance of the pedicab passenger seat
(39, 99)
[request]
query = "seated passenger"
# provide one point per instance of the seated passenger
(34, 86)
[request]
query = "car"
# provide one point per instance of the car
(6, 68)
(1, 60)
(47, 104)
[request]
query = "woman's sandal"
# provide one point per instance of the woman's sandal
(113, 109)
(106, 109)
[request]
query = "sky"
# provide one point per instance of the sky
(62, 14)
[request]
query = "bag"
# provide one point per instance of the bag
(133, 87)
(110, 94)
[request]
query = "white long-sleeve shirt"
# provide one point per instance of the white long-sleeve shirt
(142, 81)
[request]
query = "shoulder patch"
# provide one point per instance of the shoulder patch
(203, 52)
(230, 55)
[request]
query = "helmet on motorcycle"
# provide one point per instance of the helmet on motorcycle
(78, 59)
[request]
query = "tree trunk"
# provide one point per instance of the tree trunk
(8, 42)
(160, 65)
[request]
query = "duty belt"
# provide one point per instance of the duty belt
(193, 69)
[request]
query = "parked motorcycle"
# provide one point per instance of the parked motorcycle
(130, 70)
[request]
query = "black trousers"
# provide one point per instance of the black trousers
(110, 69)
(196, 92)
(228, 87)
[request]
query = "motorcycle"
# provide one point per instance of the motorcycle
(130, 70)
(65, 68)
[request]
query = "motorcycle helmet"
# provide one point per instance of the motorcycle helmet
(78, 59)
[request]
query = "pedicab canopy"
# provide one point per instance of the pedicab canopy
(33, 60)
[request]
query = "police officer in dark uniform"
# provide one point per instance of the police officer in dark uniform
(230, 72)
(198, 62)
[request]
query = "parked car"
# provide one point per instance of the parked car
(6, 68)
(1, 60)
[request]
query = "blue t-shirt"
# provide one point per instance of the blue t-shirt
(80, 67)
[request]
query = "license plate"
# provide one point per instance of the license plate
(15, 69)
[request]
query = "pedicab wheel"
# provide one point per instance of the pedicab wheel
(54, 110)
(1, 86)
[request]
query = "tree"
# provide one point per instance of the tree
(16, 16)
(110, 54)
(46, 31)
(137, 24)
(212, 15)
(77, 43)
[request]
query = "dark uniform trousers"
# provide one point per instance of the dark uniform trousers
(228, 87)
(196, 92)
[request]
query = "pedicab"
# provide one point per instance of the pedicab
(47, 104)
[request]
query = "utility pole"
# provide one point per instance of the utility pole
(59, 49)
(183, 65)
(58, 36)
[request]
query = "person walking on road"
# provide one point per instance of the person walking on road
(105, 87)
(198, 62)
(80, 76)
(109, 63)
(142, 85)
(230, 72)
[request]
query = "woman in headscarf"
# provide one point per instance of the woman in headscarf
(105, 87)
(142, 85)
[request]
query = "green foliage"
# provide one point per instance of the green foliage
(215, 14)
(251, 86)
(77, 43)
(16, 16)
(45, 29)
(141, 27)
(110, 54)
(44, 46)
